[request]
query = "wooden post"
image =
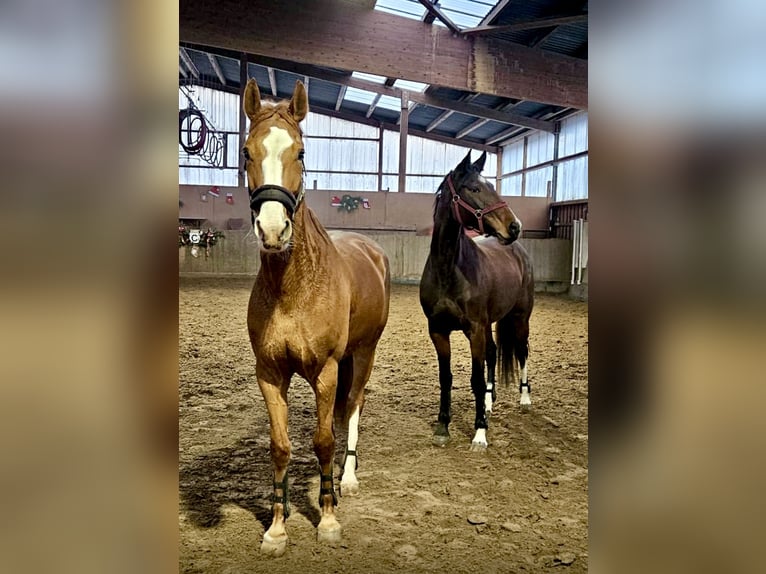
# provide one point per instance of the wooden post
(380, 158)
(499, 172)
(405, 118)
(555, 176)
(524, 170)
(242, 180)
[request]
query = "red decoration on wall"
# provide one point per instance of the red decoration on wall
(214, 191)
(230, 198)
(335, 201)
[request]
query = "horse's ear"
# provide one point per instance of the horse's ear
(252, 100)
(299, 104)
(465, 164)
(478, 165)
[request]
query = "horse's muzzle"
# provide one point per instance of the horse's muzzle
(514, 231)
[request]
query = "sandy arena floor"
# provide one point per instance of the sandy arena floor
(520, 506)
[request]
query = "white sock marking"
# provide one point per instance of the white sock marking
(525, 398)
(481, 437)
(488, 402)
(349, 470)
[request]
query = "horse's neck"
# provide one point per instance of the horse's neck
(448, 239)
(308, 261)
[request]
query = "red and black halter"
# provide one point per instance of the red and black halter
(458, 203)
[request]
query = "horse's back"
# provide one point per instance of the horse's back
(369, 276)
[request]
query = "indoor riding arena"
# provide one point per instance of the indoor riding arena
(400, 94)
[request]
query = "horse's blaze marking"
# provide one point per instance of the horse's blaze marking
(273, 215)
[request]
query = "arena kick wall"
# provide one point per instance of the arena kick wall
(399, 222)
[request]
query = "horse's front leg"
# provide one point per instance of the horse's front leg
(274, 390)
(490, 396)
(329, 529)
(442, 345)
(477, 338)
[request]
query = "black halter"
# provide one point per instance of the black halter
(271, 192)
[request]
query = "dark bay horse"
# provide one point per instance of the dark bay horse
(469, 284)
(318, 307)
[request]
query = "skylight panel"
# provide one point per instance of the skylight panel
(368, 77)
(466, 13)
(410, 86)
(361, 96)
(390, 103)
(405, 8)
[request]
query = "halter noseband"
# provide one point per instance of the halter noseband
(271, 192)
(458, 202)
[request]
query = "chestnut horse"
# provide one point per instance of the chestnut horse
(469, 284)
(317, 309)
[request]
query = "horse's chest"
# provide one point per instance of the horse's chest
(297, 337)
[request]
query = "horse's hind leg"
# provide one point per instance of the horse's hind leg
(521, 352)
(490, 395)
(324, 446)
(363, 361)
(274, 391)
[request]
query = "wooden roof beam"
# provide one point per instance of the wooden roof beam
(216, 68)
(433, 9)
(468, 129)
(495, 12)
(421, 98)
(347, 35)
(478, 123)
(542, 37)
(526, 25)
(188, 62)
(374, 103)
(341, 95)
(448, 113)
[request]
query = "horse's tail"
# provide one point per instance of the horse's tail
(507, 347)
(345, 378)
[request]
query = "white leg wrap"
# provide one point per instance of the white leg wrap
(349, 469)
(488, 402)
(525, 398)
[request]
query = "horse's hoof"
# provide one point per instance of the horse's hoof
(273, 546)
(477, 446)
(441, 439)
(329, 534)
(525, 407)
(349, 488)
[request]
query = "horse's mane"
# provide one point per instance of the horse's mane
(439, 190)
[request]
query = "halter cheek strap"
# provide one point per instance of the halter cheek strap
(458, 203)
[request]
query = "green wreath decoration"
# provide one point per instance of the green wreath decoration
(348, 203)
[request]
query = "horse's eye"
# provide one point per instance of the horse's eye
(246, 153)
(476, 190)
